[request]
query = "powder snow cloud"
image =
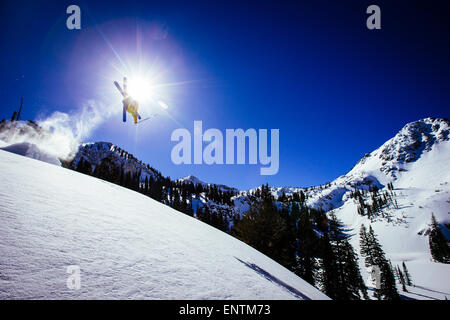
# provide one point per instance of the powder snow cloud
(60, 133)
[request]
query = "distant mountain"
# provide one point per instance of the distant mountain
(408, 145)
(192, 179)
(112, 160)
(196, 181)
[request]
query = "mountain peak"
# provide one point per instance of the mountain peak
(408, 145)
(193, 179)
(196, 181)
(411, 141)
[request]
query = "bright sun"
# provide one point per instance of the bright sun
(140, 88)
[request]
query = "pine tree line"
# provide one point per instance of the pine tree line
(378, 201)
(216, 217)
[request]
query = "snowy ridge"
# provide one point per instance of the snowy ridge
(385, 164)
(196, 181)
(406, 146)
(414, 139)
(389, 162)
(192, 179)
(126, 245)
(107, 153)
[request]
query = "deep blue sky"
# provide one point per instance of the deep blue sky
(335, 89)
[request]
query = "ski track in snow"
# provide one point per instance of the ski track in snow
(127, 246)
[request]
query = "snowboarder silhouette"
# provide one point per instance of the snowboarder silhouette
(130, 105)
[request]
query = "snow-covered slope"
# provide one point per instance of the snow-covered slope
(32, 151)
(126, 245)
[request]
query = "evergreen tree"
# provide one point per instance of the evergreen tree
(302, 198)
(122, 177)
(352, 282)
(439, 248)
(374, 256)
(406, 274)
(401, 279)
(263, 228)
(288, 241)
(328, 275)
(295, 212)
(145, 189)
(204, 214)
(306, 244)
(364, 244)
(84, 167)
(388, 289)
(340, 275)
(283, 197)
(189, 209)
(176, 199)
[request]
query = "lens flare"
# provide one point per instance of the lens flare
(163, 105)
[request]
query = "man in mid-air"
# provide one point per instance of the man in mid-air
(130, 105)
